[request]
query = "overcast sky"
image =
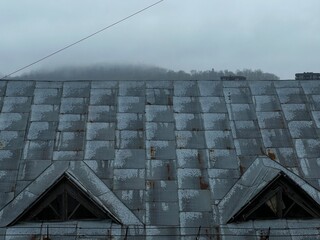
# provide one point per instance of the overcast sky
(278, 36)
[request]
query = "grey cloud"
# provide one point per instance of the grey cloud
(276, 36)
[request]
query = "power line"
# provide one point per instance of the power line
(81, 40)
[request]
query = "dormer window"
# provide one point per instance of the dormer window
(281, 199)
(64, 201)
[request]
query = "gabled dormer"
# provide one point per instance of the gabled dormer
(267, 191)
(67, 191)
(281, 198)
(63, 201)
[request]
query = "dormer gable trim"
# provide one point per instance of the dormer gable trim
(83, 178)
(254, 188)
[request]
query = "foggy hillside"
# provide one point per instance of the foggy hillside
(137, 72)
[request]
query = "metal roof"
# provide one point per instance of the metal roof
(169, 152)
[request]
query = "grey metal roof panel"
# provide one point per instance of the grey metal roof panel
(69, 141)
(286, 156)
(224, 159)
(223, 173)
(127, 139)
(314, 102)
(296, 112)
(210, 88)
(76, 89)
(105, 84)
(189, 178)
(247, 147)
(38, 150)
(237, 95)
(3, 85)
(46, 113)
(159, 131)
(13, 121)
(159, 84)
(186, 105)
(240, 112)
(130, 121)
(190, 222)
(235, 84)
(155, 232)
(219, 139)
(102, 113)
(245, 129)
(186, 89)
(9, 159)
(215, 121)
(103, 96)
(48, 84)
(102, 168)
(99, 150)
(161, 191)
(89, 229)
(213, 104)
(165, 150)
(16, 104)
(31, 169)
(291, 95)
(190, 139)
(128, 179)
(67, 155)
(220, 187)
(133, 199)
(307, 148)
(271, 120)
(20, 88)
(161, 170)
(132, 88)
(129, 158)
(242, 231)
(162, 213)
(276, 138)
(310, 167)
(159, 96)
(259, 88)
(42, 131)
(310, 87)
(100, 131)
(286, 84)
(192, 200)
(191, 158)
(159, 113)
(267, 103)
(189, 121)
(315, 115)
(302, 129)
(131, 104)
(12, 140)
(280, 228)
(71, 126)
(47, 96)
(73, 105)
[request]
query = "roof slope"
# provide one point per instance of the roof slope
(168, 150)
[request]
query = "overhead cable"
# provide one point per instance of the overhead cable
(81, 40)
